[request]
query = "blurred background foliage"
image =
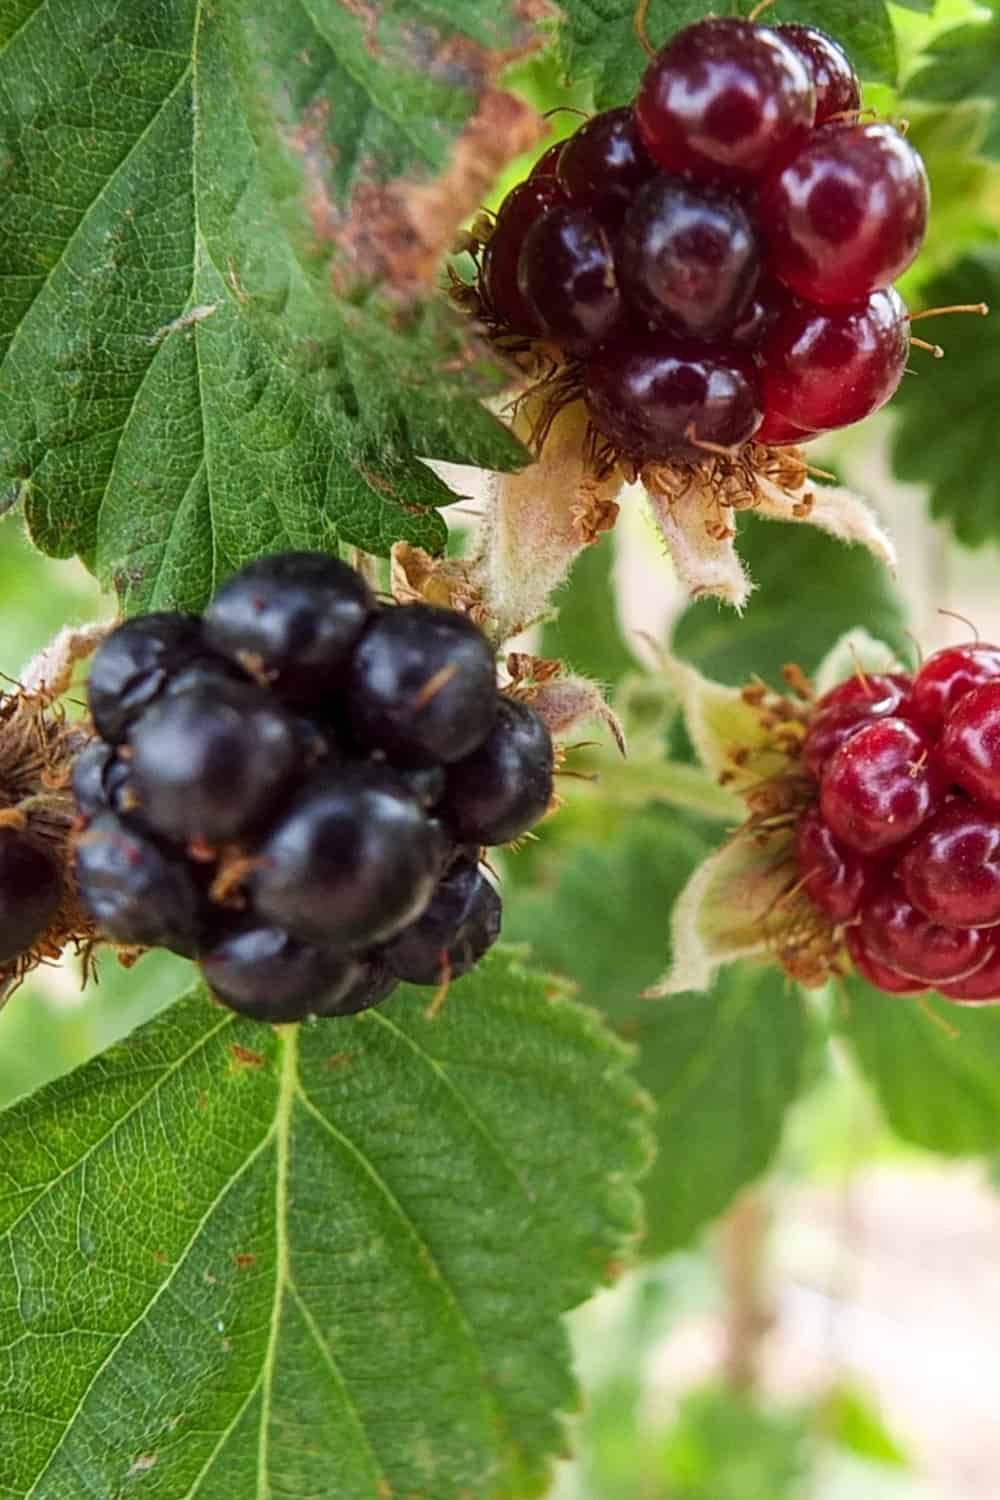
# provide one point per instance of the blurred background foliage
(810, 1320)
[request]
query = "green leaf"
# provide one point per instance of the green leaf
(724, 1447)
(586, 633)
(721, 1067)
(811, 590)
(936, 1069)
(326, 1260)
(599, 38)
(961, 65)
(181, 388)
(849, 1418)
(945, 437)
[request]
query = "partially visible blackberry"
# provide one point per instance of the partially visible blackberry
(132, 666)
(137, 894)
(460, 924)
(30, 893)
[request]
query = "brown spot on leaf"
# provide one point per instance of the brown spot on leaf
(337, 1060)
(244, 1058)
(398, 232)
(160, 1257)
(368, 15)
(244, 1258)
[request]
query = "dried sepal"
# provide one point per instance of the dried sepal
(563, 700)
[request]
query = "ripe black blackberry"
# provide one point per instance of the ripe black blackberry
(298, 791)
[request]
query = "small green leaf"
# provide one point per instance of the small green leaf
(195, 366)
(721, 1067)
(811, 590)
(849, 1419)
(961, 65)
(946, 434)
(724, 1447)
(326, 1260)
(935, 1068)
(586, 633)
(599, 38)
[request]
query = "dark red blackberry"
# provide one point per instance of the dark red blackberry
(879, 787)
(948, 675)
(969, 750)
(858, 701)
(980, 988)
(604, 164)
(30, 893)
(723, 100)
(896, 934)
(657, 398)
(688, 257)
(823, 368)
(505, 787)
(291, 620)
(213, 762)
(522, 208)
(835, 879)
(951, 872)
(352, 861)
(130, 668)
(422, 685)
(847, 214)
(878, 974)
(135, 893)
(566, 274)
(459, 925)
(838, 89)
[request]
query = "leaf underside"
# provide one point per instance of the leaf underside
(304, 1262)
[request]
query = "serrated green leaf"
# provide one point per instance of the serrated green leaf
(961, 65)
(599, 38)
(326, 1260)
(945, 436)
(937, 1075)
(721, 1067)
(179, 388)
(811, 589)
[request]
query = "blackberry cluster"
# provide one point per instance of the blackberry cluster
(902, 847)
(296, 789)
(715, 263)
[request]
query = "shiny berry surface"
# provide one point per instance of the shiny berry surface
(833, 878)
(211, 762)
(980, 988)
(351, 861)
(838, 89)
(879, 974)
(849, 707)
(548, 163)
(30, 893)
(951, 871)
(826, 368)
(135, 892)
(131, 667)
(656, 398)
(723, 100)
(777, 432)
(896, 934)
(261, 972)
(519, 211)
(566, 273)
(688, 257)
(880, 786)
(422, 685)
(505, 787)
(459, 925)
(970, 744)
(847, 214)
(293, 620)
(948, 675)
(604, 164)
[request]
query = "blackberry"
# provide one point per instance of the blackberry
(260, 971)
(212, 762)
(351, 861)
(461, 923)
(422, 685)
(30, 893)
(131, 667)
(137, 894)
(293, 620)
(504, 787)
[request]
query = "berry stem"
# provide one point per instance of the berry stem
(980, 309)
(639, 22)
(759, 9)
(934, 349)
